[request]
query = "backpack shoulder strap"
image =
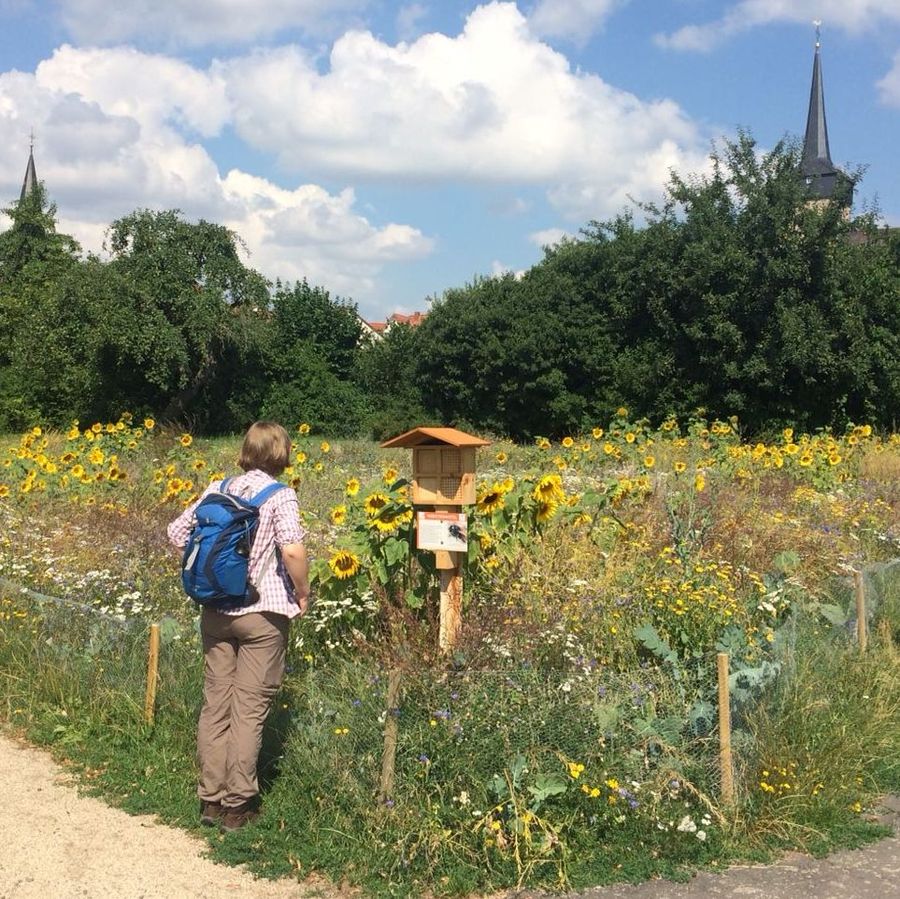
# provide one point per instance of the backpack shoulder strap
(265, 493)
(223, 487)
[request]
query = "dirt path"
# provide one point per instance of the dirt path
(55, 844)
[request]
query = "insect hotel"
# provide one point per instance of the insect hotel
(444, 481)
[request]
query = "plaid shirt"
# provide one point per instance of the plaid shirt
(279, 525)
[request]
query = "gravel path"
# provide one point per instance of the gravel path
(55, 844)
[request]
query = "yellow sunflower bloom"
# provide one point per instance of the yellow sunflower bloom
(338, 515)
(343, 564)
(374, 503)
(546, 509)
(502, 458)
(325, 446)
(679, 467)
(303, 429)
(4, 490)
(699, 483)
(351, 488)
(490, 499)
(389, 475)
(597, 433)
(568, 442)
(549, 489)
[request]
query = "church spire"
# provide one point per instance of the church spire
(30, 183)
(815, 146)
(823, 180)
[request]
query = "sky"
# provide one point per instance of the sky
(389, 151)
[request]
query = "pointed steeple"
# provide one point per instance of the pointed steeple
(822, 178)
(30, 183)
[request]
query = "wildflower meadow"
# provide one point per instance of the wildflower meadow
(570, 737)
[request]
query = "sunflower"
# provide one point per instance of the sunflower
(338, 515)
(546, 509)
(597, 433)
(630, 437)
(834, 459)
(198, 465)
(301, 458)
(374, 503)
(622, 412)
(4, 490)
(343, 564)
(389, 476)
(490, 499)
(649, 461)
(501, 458)
(67, 458)
(806, 460)
(549, 489)
(325, 446)
(303, 429)
(542, 443)
(73, 433)
(699, 483)
(387, 521)
(351, 488)
(679, 467)
(149, 424)
(185, 440)
(568, 442)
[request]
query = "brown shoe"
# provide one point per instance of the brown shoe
(211, 812)
(239, 816)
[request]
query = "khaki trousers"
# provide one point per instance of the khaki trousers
(243, 668)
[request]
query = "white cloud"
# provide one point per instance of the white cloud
(108, 143)
(198, 22)
(848, 15)
(548, 237)
(575, 20)
(493, 104)
(889, 86)
(408, 20)
(499, 269)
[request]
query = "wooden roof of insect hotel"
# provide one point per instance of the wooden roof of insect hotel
(435, 437)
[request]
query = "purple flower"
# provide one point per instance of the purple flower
(424, 759)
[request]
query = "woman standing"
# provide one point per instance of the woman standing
(244, 648)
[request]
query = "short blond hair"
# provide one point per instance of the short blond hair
(266, 446)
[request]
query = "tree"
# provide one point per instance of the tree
(184, 304)
(386, 373)
(37, 272)
(311, 358)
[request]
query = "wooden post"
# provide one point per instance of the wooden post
(862, 629)
(389, 754)
(725, 765)
(152, 674)
(451, 605)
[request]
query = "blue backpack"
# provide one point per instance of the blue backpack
(215, 566)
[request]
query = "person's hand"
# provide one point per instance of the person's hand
(302, 597)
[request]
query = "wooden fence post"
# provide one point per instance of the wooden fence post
(725, 764)
(152, 674)
(862, 624)
(391, 727)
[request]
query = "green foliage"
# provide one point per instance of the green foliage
(386, 374)
(735, 296)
